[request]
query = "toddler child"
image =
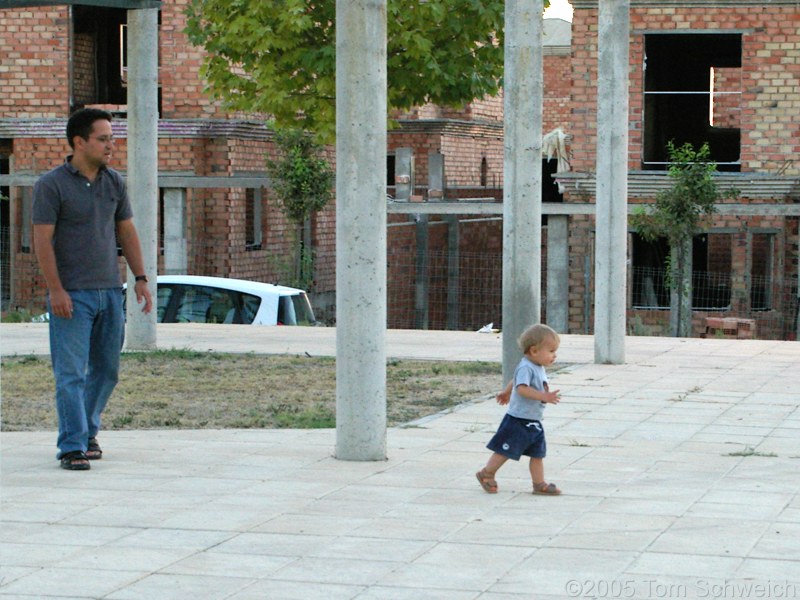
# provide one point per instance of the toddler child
(521, 430)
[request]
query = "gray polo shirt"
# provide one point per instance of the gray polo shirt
(535, 376)
(85, 215)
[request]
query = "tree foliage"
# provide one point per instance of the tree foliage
(677, 215)
(301, 179)
(278, 57)
(678, 211)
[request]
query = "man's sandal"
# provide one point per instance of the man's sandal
(487, 481)
(75, 461)
(94, 452)
(546, 489)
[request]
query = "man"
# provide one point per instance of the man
(80, 212)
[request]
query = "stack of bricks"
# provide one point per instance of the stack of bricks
(730, 328)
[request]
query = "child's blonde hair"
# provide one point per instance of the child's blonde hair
(535, 335)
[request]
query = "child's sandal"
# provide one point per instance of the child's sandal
(546, 489)
(487, 481)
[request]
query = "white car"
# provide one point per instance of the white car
(196, 299)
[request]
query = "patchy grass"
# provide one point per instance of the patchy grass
(184, 389)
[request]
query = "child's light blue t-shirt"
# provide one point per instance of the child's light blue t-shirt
(535, 376)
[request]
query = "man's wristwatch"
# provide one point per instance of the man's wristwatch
(141, 278)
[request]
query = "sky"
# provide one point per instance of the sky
(559, 9)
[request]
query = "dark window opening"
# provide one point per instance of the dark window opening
(711, 269)
(97, 55)
(693, 89)
(390, 169)
(253, 232)
(5, 225)
(550, 191)
(100, 58)
(484, 172)
(761, 271)
(161, 232)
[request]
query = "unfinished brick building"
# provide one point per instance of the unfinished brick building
(726, 72)
(723, 71)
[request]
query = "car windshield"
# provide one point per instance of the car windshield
(202, 304)
(295, 310)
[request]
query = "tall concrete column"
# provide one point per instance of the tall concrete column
(176, 260)
(143, 163)
(361, 229)
(522, 174)
(558, 272)
(612, 182)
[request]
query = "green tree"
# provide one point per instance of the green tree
(278, 57)
(302, 181)
(677, 215)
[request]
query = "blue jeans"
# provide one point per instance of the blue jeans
(85, 354)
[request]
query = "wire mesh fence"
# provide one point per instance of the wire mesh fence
(462, 290)
(770, 301)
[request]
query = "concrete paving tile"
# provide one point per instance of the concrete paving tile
(60, 534)
(273, 544)
(603, 531)
(124, 558)
(399, 528)
(710, 536)
(180, 587)
(532, 532)
(666, 507)
(34, 555)
(477, 568)
(349, 508)
(365, 548)
(223, 564)
(778, 542)
(311, 524)
(52, 581)
(404, 593)
(339, 570)
(190, 539)
(550, 571)
(9, 574)
(274, 589)
(684, 564)
(40, 512)
(766, 570)
(216, 517)
(120, 515)
(721, 511)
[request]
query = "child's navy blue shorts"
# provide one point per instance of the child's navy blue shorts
(516, 437)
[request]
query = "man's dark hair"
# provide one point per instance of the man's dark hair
(82, 121)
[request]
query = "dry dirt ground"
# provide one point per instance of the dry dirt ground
(197, 390)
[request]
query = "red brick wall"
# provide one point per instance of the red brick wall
(34, 45)
(770, 78)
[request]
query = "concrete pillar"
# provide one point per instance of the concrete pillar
(522, 173)
(143, 163)
(612, 182)
(453, 272)
(558, 272)
(361, 229)
(176, 261)
(422, 281)
(403, 174)
(436, 177)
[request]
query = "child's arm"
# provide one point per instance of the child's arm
(504, 396)
(532, 393)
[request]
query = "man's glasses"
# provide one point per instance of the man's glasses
(103, 139)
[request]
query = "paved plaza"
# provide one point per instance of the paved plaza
(680, 471)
